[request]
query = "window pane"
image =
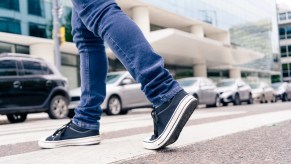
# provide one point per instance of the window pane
(5, 47)
(37, 30)
(46, 70)
(283, 51)
(282, 33)
(35, 7)
(289, 15)
(285, 67)
(289, 50)
(22, 49)
(10, 25)
(32, 68)
(10, 4)
(288, 32)
(69, 60)
(282, 16)
(8, 68)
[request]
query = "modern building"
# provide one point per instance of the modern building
(196, 38)
(284, 16)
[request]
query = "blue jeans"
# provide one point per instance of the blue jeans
(96, 21)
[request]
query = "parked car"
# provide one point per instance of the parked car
(282, 91)
(234, 91)
(263, 92)
(30, 85)
(122, 94)
(202, 89)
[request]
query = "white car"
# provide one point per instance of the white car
(263, 93)
(203, 89)
(234, 91)
(122, 94)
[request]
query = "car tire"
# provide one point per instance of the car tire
(71, 113)
(124, 111)
(224, 103)
(263, 100)
(285, 97)
(236, 100)
(274, 99)
(216, 104)
(250, 100)
(16, 118)
(58, 107)
(114, 106)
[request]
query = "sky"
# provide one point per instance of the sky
(287, 2)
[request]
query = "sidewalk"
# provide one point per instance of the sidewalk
(265, 145)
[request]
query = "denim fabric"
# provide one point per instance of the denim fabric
(95, 21)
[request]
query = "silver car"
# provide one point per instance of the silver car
(234, 91)
(122, 94)
(203, 89)
(282, 91)
(263, 92)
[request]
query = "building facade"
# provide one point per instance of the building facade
(219, 39)
(284, 17)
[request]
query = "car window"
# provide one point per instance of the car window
(46, 70)
(8, 68)
(32, 68)
(131, 78)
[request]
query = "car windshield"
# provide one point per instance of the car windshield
(112, 78)
(187, 82)
(255, 86)
(277, 85)
(226, 83)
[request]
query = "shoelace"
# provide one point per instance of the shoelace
(155, 119)
(62, 129)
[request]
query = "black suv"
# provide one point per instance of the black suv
(30, 85)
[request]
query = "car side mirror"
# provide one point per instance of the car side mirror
(126, 82)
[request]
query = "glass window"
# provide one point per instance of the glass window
(69, 59)
(288, 32)
(35, 7)
(289, 15)
(282, 32)
(285, 67)
(282, 16)
(283, 51)
(5, 47)
(46, 70)
(32, 68)
(8, 68)
(21, 49)
(10, 25)
(289, 51)
(37, 30)
(10, 4)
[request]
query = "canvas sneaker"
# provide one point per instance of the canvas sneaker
(70, 135)
(169, 120)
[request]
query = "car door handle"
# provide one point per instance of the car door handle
(17, 84)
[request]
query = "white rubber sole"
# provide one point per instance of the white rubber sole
(71, 142)
(171, 133)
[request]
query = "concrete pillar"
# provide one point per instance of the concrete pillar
(43, 50)
(200, 70)
(234, 73)
(141, 17)
(198, 31)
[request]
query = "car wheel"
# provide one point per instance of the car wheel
(114, 106)
(251, 100)
(285, 97)
(274, 99)
(263, 99)
(216, 104)
(71, 113)
(58, 108)
(16, 118)
(224, 103)
(124, 111)
(236, 100)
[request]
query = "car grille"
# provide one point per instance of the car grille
(76, 98)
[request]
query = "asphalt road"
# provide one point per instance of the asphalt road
(259, 133)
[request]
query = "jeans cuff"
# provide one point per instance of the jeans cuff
(86, 125)
(168, 96)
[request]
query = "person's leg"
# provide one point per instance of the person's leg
(84, 128)
(104, 18)
(173, 106)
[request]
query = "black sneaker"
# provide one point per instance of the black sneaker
(70, 135)
(169, 120)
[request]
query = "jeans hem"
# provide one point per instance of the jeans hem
(86, 125)
(167, 97)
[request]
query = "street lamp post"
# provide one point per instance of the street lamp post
(57, 12)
